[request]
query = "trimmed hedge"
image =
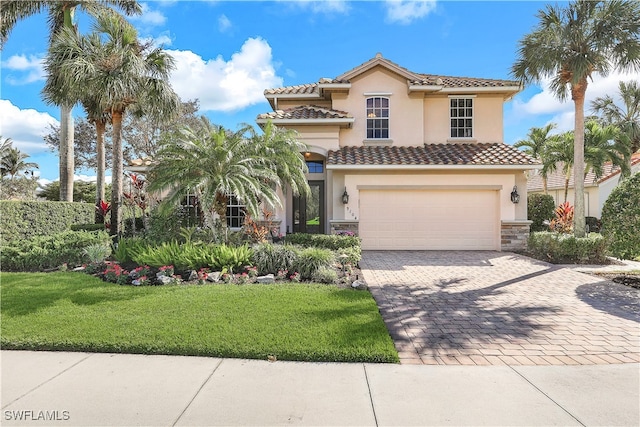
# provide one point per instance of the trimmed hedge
(560, 248)
(21, 220)
(48, 252)
(326, 241)
(621, 219)
(540, 208)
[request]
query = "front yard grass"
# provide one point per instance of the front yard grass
(77, 312)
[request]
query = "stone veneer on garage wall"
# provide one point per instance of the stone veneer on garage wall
(514, 235)
(344, 225)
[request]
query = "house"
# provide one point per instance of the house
(406, 160)
(596, 190)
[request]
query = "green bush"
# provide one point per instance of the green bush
(87, 227)
(48, 252)
(21, 220)
(326, 241)
(127, 248)
(310, 260)
(540, 208)
(269, 258)
(325, 275)
(354, 254)
(560, 248)
(621, 219)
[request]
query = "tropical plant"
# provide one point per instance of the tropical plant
(119, 73)
(570, 45)
(310, 260)
(13, 162)
(564, 219)
(61, 13)
(535, 145)
(621, 218)
(626, 118)
(271, 259)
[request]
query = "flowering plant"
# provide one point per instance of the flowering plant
(252, 271)
(282, 274)
(241, 279)
(141, 281)
(227, 277)
(295, 277)
(116, 274)
(202, 275)
(144, 270)
(166, 270)
(345, 233)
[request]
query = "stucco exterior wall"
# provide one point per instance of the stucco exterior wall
(405, 111)
(487, 119)
(319, 138)
(591, 199)
(351, 181)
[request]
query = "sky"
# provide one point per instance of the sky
(229, 52)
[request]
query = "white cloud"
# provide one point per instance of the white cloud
(27, 69)
(321, 6)
(163, 40)
(25, 127)
(404, 12)
(546, 103)
(226, 85)
(223, 23)
(149, 17)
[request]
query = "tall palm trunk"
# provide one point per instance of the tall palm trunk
(66, 154)
(116, 172)
(578, 91)
(545, 186)
(100, 130)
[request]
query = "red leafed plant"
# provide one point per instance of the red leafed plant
(103, 208)
(563, 222)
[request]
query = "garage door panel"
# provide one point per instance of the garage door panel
(427, 219)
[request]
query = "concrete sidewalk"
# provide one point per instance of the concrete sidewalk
(56, 388)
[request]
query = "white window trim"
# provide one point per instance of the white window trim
(473, 121)
(388, 118)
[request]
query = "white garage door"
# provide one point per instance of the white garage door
(429, 219)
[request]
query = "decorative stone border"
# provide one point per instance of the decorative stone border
(514, 235)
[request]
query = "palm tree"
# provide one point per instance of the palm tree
(13, 162)
(214, 164)
(99, 118)
(602, 144)
(559, 153)
(626, 118)
(569, 46)
(535, 146)
(281, 150)
(60, 16)
(117, 71)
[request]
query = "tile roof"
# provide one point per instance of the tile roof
(456, 82)
(305, 112)
(431, 154)
(555, 180)
(311, 88)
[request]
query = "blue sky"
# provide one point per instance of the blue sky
(228, 52)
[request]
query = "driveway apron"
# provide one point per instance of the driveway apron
(499, 308)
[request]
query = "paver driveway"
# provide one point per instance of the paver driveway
(488, 308)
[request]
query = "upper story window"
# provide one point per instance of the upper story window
(377, 118)
(461, 117)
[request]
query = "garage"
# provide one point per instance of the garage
(429, 219)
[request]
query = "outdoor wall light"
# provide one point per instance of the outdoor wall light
(345, 196)
(515, 197)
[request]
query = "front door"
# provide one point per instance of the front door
(308, 213)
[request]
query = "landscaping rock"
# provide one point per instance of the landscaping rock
(359, 285)
(269, 278)
(81, 268)
(193, 275)
(165, 280)
(214, 276)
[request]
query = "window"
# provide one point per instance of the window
(235, 213)
(461, 117)
(377, 118)
(315, 166)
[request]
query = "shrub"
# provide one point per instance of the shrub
(560, 248)
(563, 221)
(621, 219)
(88, 227)
(354, 255)
(20, 220)
(325, 275)
(97, 253)
(47, 252)
(540, 208)
(310, 260)
(127, 248)
(326, 241)
(269, 259)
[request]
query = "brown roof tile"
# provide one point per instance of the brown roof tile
(305, 112)
(462, 82)
(431, 154)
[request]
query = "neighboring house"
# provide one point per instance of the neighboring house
(596, 191)
(406, 160)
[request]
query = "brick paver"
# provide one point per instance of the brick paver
(496, 308)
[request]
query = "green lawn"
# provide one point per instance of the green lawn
(78, 312)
